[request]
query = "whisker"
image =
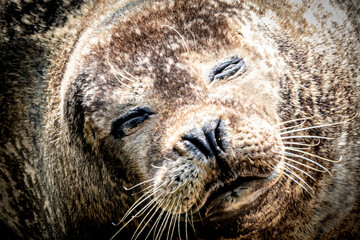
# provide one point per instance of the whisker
(290, 165)
(295, 120)
(197, 207)
(175, 189)
(138, 214)
(174, 218)
(152, 216)
(173, 214)
(302, 164)
(143, 190)
(128, 189)
(179, 222)
(302, 144)
(302, 180)
(163, 225)
(121, 229)
(314, 155)
(130, 75)
(186, 230)
(158, 219)
(186, 28)
(270, 165)
(132, 218)
(296, 182)
(144, 197)
(307, 159)
(135, 236)
(114, 72)
(157, 166)
(139, 203)
(294, 126)
(312, 127)
(171, 224)
(192, 222)
(304, 148)
(182, 38)
(304, 136)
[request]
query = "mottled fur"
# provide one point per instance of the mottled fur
(68, 72)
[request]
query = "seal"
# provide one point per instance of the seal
(181, 120)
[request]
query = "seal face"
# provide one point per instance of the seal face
(191, 108)
(201, 120)
(182, 114)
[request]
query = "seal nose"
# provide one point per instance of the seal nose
(207, 141)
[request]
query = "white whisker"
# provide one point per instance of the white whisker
(186, 28)
(294, 126)
(302, 144)
(130, 75)
(302, 164)
(186, 230)
(144, 197)
(157, 221)
(163, 225)
(143, 190)
(128, 189)
(167, 218)
(121, 229)
(157, 209)
(307, 159)
(296, 182)
(175, 216)
(138, 214)
(295, 120)
(135, 236)
(139, 203)
(304, 136)
(312, 127)
(115, 72)
(182, 38)
(179, 222)
(175, 189)
(292, 166)
(301, 148)
(192, 222)
(314, 155)
(123, 225)
(302, 180)
(163, 167)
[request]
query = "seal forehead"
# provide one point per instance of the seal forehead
(155, 44)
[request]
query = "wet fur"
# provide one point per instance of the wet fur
(58, 180)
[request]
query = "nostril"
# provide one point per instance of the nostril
(219, 135)
(207, 141)
(211, 139)
(195, 144)
(214, 135)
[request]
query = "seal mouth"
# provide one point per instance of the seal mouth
(241, 183)
(225, 200)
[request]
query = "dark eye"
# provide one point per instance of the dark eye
(130, 120)
(228, 68)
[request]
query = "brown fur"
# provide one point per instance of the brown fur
(63, 173)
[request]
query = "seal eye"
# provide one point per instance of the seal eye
(228, 68)
(130, 120)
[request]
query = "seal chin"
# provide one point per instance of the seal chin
(227, 200)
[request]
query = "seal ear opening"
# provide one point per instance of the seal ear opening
(90, 133)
